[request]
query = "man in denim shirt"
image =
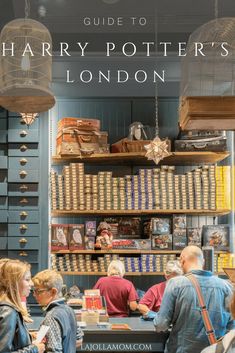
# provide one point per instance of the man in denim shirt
(180, 306)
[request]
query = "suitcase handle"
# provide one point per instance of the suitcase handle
(87, 152)
(199, 145)
(84, 138)
(79, 131)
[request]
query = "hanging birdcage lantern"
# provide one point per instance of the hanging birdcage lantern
(207, 78)
(25, 71)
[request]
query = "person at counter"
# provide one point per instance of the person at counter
(149, 305)
(180, 307)
(15, 282)
(119, 293)
(63, 335)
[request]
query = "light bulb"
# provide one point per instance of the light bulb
(25, 62)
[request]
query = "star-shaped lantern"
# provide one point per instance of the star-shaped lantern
(157, 149)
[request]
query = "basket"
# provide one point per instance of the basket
(136, 145)
(125, 145)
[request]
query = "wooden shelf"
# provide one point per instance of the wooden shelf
(123, 251)
(75, 273)
(138, 158)
(65, 213)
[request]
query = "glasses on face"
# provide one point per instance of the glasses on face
(39, 291)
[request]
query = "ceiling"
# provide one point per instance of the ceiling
(172, 19)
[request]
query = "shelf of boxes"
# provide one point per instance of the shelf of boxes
(123, 251)
(65, 213)
(138, 158)
(75, 273)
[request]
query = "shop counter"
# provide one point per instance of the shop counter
(141, 337)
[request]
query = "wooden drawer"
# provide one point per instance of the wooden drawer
(23, 149)
(26, 230)
(3, 113)
(3, 161)
(22, 189)
(25, 216)
(17, 123)
(3, 216)
(3, 189)
(3, 243)
(3, 136)
(23, 135)
(3, 230)
(3, 202)
(22, 175)
(21, 203)
(30, 256)
(3, 124)
(26, 243)
(34, 269)
(29, 163)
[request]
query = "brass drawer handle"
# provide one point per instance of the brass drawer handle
(23, 188)
(23, 161)
(23, 148)
(23, 227)
(23, 173)
(23, 214)
(24, 201)
(23, 241)
(23, 254)
(23, 133)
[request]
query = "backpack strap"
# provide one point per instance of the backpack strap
(204, 312)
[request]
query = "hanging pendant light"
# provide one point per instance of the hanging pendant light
(25, 73)
(28, 118)
(157, 149)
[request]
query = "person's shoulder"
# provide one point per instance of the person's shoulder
(178, 281)
(223, 283)
(8, 311)
(158, 286)
(126, 281)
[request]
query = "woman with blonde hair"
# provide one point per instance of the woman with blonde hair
(15, 282)
(119, 293)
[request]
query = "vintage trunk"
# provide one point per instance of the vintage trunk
(79, 123)
(213, 144)
(207, 113)
(79, 142)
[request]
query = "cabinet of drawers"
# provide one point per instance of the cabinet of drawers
(23, 243)
(23, 149)
(23, 229)
(23, 216)
(23, 191)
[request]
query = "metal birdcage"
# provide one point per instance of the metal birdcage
(25, 79)
(212, 74)
(207, 78)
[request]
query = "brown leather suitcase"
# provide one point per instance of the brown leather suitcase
(72, 141)
(207, 113)
(79, 123)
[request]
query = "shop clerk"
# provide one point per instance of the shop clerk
(119, 293)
